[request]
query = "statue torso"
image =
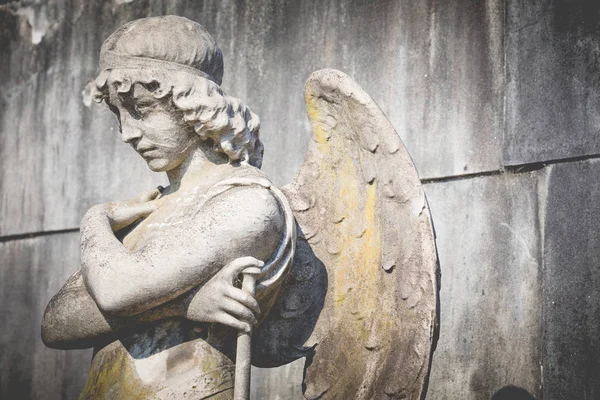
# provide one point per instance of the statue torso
(173, 358)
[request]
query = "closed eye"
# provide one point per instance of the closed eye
(115, 111)
(139, 109)
(143, 108)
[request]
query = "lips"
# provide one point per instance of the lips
(146, 151)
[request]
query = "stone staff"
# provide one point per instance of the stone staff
(243, 357)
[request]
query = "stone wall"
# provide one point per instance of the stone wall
(496, 101)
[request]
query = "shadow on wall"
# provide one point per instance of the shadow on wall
(512, 393)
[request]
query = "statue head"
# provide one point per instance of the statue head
(161, 76)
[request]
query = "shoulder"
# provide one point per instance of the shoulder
(246, 193)
(246, 204)
(245, 221)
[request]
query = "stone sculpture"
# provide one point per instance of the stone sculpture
(339, 267)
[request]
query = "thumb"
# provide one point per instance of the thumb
(143, 209)
(237, 266)
(149, 195)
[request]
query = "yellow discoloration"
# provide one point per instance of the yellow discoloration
(319, 133)
(114, 377)
(194, 367)
(356, 268)
(356, 272)
(364, 326)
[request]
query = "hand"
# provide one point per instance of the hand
(219, 301)
(124, 213)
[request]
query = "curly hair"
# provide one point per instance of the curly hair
(230, 124)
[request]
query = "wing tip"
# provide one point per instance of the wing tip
(332, 80)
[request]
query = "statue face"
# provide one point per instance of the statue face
(153, 127)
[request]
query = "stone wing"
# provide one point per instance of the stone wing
(361, 298)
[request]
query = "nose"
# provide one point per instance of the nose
(130, 132)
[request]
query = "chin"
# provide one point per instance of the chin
(159, 165)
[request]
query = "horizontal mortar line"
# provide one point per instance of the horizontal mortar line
(512, 169)
(31, 235)
(532, 166)
(460, 177)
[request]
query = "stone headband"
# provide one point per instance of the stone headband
(112, 60)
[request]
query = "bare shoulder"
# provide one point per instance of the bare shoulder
(241, 221)
(232, 221)
(252, 207)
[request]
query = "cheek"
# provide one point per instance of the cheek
(161, 121)
(168, 133)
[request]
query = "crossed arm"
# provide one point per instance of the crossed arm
(181, 275)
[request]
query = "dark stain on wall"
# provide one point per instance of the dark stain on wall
(552, 64)
(571, 307)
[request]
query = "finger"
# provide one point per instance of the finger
(149, 195)
(242, 297)
(238, 310)
(229, 320)
(236, 267)
(129, 214)
(143, 209)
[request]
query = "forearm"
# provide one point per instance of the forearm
(185, 255)
(115, 277)
(125, 284)
(73, 320)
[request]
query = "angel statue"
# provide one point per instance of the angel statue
(182, 288)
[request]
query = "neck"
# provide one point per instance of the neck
(201, 164)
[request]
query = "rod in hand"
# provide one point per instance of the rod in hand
(243, 358)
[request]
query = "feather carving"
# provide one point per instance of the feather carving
(361, 299)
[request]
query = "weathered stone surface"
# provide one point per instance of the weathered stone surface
(48, 135)
(571, 306)
(282, 383)
(59, 153)
(31, 271)
(360, 301)
(434, 68)
(489, 248)
(357, 293)
(552, 102)
(155, 295)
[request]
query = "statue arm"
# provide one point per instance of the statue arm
(243, 221)
(72, 319)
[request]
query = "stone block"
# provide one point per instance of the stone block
(552, 102)
(571, 302)
(489, 250)
(434, 68)
(281, 383)
(60, 153)
(31, 272)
